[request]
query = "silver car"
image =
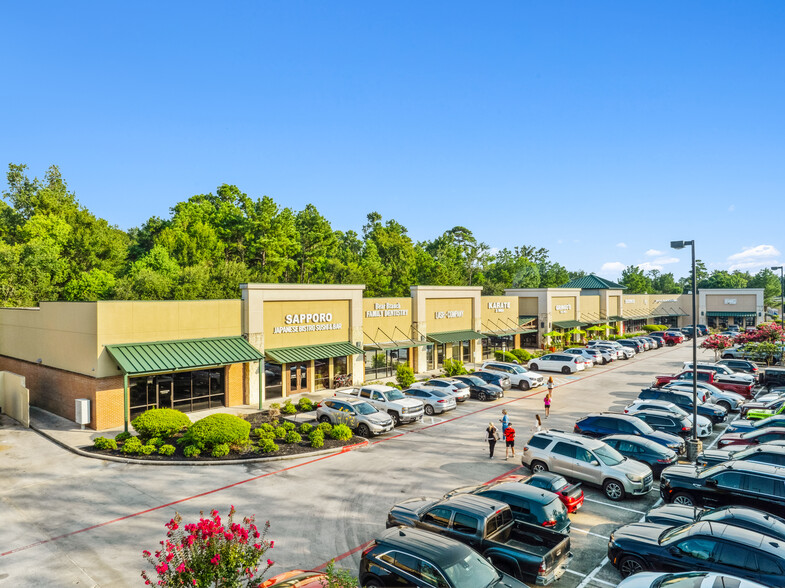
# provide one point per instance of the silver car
(704, 423)
(436, 400)
(455, 387)
(358, 415)
(595, 358)
(588, 460)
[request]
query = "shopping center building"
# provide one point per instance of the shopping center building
(278, 340)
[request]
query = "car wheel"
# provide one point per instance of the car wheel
(565, 370)
(324, 419)
(533, 366)
(683, 499)
(613, 489)
(538, 466)
(429, 410)
(727, 356)
(482, 396)
(524, 385)
(629, 566)
(724, 404)
(363, 430)
(396, 419)
(604, 361)
(372, 583)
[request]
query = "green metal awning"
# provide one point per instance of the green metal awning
(568, 324)
(189, 354)
(522, 320)
(616, 318)
(508, 332)
(454, 336)
(527, 331)
(309, 352)
(730, 313)
(391, 345)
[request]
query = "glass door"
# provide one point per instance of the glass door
(298, 377)
(165, 385)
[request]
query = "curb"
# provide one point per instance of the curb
(130, 460)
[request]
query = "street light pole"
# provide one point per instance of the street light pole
(782, 294)
(694, 445)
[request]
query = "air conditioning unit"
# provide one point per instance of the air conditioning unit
(82, 411)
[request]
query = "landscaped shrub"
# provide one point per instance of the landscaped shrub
(305, 428)
(404, 375)
(341, 433)
(147, 449)
(122, 437)
(280, 432)
(166, 450)
(132, 446)
(155, 442)
(317, 438)
(104, 443)
(293, 437)
(220, 450)
(305, 405)
(288, 408)
(522, 355)
(267, 445)
(191, 451)
(289, 426)
(160, 422)
(394, 385)
(216, 429)
(505, 356)
(267, 427)
(325, 428)
(453, 367)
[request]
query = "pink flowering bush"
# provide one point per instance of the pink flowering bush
(210, 553)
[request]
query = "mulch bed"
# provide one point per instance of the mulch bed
(256, 419)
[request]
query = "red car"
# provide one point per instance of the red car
(571, 495)
(755, 437)
(297, 579)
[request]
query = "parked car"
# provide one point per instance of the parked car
(756, 485)
(762, 410)
(530, 505)
(755, 437)
(401, 408)
(738, 516)
(458, 389)
(704, 424)
(766, 395)
(479, 389)
(530, 553)
(614, 423)
(654, 455)
(653, 343)
(667, 423)
(705, 546)
(683, 400)
(601, 356)
(710, 377)
(636, 346)
(671, 337)
(571, 495)
(659, 337)
(296, 579)
(358, 415)
(730, 401)
(435, 401)
(587, 460)
(762, 453)
(686, 580)
(722, 370)
(520, 377)
(741, 366)
(502, 382)
(590, 358)
(558, 362)
(412, 557)
(741, 425)
(772, 377)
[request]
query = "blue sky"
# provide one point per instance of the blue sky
(598, 130)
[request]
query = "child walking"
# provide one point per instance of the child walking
(509, 438)
(491, 436)
(547, 404)
(538, 425)
(550, 385)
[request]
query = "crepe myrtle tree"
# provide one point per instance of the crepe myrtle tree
(717, 343)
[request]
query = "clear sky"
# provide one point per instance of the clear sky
(598, 130)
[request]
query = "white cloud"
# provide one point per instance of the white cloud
(731, 208)
(654, 252)
(493, 251)
(612, 267)
(648, 266)
(623, 245)
(753, 258)
(666, 260)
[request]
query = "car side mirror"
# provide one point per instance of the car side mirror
(594, 462)
(711, 482)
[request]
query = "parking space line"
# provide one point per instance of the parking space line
(590, 576)
(574, 528)
(593, 579)
(614, 505)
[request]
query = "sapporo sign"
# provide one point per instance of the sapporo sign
(307, 322)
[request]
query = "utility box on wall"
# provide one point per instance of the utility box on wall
(82, 411)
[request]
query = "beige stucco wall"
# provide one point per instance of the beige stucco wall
(528, 306)
(15, 397)
(387, 319)
(448, 314)
(744, 302)
(590, 309)
(310, 322)
(613, 305)
(570, 304)
(499, 313)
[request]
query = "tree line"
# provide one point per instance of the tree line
(52, 248)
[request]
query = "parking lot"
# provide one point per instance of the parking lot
(75, 521)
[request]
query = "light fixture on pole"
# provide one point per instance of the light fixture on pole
(694, 445)
(782, 294)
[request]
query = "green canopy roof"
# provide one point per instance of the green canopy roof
(309, 352)
(391, 345)
(568, 324)
(730, 313)
(522, 320)
(615, 318)
(592, 282)
(454, 336)
(188, 354)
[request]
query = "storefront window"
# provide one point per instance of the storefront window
(383, 364)
(466, 345)
(321, 374)
(440, 356)
(185, 391)
(273, 387)
(456, 351)
(429, 358)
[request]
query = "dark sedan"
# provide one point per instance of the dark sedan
(763, 453)
(742, 425)
(571, 495)
(654, 455)
(479, 389)
(502, 382)
(702, 546)
(668, 423)
(752, 437)
(749, 518)
(601, 425)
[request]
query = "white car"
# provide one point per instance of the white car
(686, 580)
(558, 362)
(592, 358)
(519, 375)
(436, 400)
(729, 400)
(459, 390)
(704, 423)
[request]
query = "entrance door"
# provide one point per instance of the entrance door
(298, 377)
(165, 386)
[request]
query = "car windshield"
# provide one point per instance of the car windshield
(473, 571)
(394, 395)
(364, 408)
(439, 393)
(608, 455)
(474, 380)
(690, 580)
(518, 369)
(674, 533)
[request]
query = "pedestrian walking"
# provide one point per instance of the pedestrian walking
(509, 438)
(505, 420)
(547, 404)
(491, 436)
(550, 385)
(538, 425)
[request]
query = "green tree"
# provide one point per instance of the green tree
(316, 239)
(770, 282)
(635, 281)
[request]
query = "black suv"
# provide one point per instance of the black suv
(415, 558)
(743, 483)
(665, 422)
(611, 423)
(683, 400)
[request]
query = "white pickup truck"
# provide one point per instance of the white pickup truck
(401, 408)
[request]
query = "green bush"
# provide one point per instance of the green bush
(522, 355)
(393, 385)
(132, 446)
(280, 432)
(104, 443)
(317, 438)
(191, 451)
(217, 429)
(288, 408)
(273, 423)
(160, 422)
(325, 428)
(293, 437)
(148, 449)
(267, 427)
(275, 406)
(341, 433)
(155, 442)
(305, 405)
(404, 375)
(454, 367)
(505, 356)
(166, 450)
(267, 445)
(289, 426)
(122, 437)
(220, 450)
(305, 429)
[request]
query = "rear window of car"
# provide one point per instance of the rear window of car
(539, 442)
